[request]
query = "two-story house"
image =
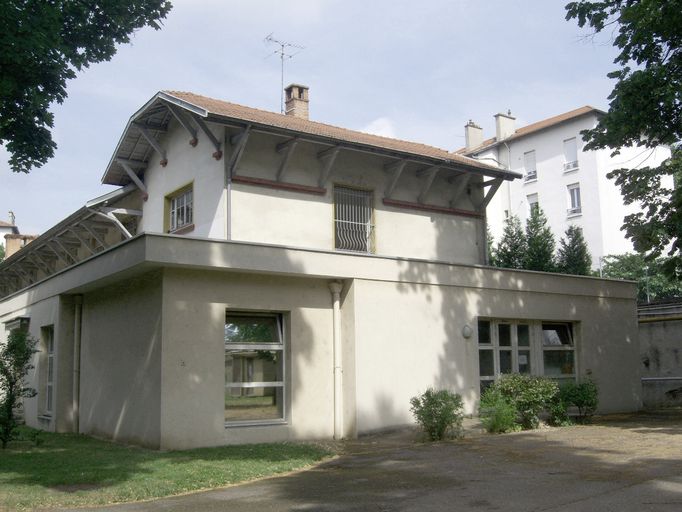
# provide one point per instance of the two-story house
(569, 183)
(260, 276)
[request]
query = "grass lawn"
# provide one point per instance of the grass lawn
(72, 470)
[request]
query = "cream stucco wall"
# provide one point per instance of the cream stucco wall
(193, 365)
(120, 361)
(153, 327)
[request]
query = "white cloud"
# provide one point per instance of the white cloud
(381, 126)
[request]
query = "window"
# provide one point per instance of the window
(575, 206)
(180, 206)
(48, 343)
(558, 351)
(254, 368)
(570, 154)
(530, 347)
(531, 173)
(353, 220)
(533, 203)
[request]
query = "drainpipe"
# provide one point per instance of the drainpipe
(77, 321)
(228, 193)
(335, 288)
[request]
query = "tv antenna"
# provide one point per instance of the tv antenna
(286, 51)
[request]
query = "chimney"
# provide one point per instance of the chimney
(504, 125)
(297, 101)
(473, 134)
(14, 242)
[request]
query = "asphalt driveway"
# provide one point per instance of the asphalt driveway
(620, 463)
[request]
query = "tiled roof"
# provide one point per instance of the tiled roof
(288, 122)
(535, 127)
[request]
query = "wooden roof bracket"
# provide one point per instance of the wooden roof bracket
(238, 143)
(133, 176)
(288, 147)
(327, 157)
(185, 123)
(152, 142)
(396, 168)
(218, 153)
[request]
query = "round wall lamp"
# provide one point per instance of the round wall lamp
(467, 331)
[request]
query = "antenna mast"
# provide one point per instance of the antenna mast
(283, 50)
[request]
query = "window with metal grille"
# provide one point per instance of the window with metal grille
(353, 220)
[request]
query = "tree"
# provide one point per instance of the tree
(573, 256)
(540, 243)
(44, 45)
(645, 110)
(512, 246)
(490, 246)
(2, 252)
(652, 283)
(15, 363)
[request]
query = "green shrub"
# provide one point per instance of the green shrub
(496, 413)
(438, 412)
(529, 395)
(558, 409)
(584, 396)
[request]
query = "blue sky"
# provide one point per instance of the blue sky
(415, 71)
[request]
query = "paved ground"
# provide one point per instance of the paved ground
(621, 463)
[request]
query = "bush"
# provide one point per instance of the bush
(496, 413)
(528, 394)
(584, 396)
(438, 412)
(15, 363)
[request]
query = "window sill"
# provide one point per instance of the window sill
(45, 417)
(182, 230)
(532, 180)
(571, 171)
(254, 423)
(574, 215)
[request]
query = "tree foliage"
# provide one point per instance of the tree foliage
(2, 252)
(652, 282)
(44, 44)
(512, 246)
(15, 363)
(573, 256)
(645, 110)
(540, 243)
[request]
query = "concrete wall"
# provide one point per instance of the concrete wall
(661, 355)
(54, 312)
(187, 164)
(121, 361)
(193, 369)
(409, 337)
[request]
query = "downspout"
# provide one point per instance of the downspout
(509, 201)
(228, 192)
(335, 288)
(77, 322)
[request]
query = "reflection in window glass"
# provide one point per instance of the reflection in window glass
(556, 335)
(504, 332)
(523, 333)
(254, 368)
(484, 332)
(558, 362)
(505, 361)
(524, 361)
(486, 363)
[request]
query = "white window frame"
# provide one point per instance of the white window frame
(278, 346)
(533, 202)
(574, 200)
(181, 209)
(570, 154)
(353, 219)
(536, 348)
(530, 174)
(48, 335)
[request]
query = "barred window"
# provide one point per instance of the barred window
(353, 220)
